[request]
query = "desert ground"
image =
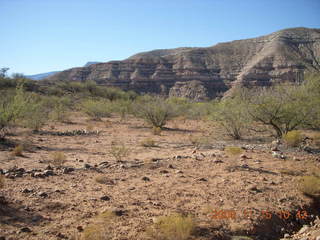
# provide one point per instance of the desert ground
(185, 170)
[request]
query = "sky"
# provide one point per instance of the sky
(39, 36)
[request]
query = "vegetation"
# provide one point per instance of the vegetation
(96, 109)
(293, 138)
(155, 111)
(58, 159)
(148, 142)
(233, 150)
(173, 227)
(310, 185)
(119, 151)
(18, 151)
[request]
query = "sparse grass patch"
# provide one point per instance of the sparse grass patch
(173, 227)
(102, 229)
(1, 181)
(310, 185)
(231, 150)
(18, 151)
(156, 131)
(293, 138)
(148, 142)
(119, 151)
(198, 141)
(58, 159)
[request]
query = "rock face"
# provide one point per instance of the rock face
(281, 56)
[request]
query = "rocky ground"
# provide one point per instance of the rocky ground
(188, 171)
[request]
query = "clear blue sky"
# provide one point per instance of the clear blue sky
(45, 35)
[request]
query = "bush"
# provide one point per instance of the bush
(61, 107)
(156, 131)
(230, 114)
(233, 150)
(17, 151)
(173, 227)
(96, 109)
(119, 151)
(58, 159)
(310, 185)
(293, 138)
(155, 111)
(148, 142)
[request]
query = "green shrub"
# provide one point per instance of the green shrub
(293, 138)
(61, 108)
(173, 227)
(230, 114)
(155, 111)
(96, 109)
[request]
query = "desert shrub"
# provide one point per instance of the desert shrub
(198, 141)
(58, 159)
(293, 138)
(233, 150)
(121, 107)
(148, 142)
(310, 185)
(316, 139)
(18, 151)
(96, 109)
(119, 151)
(60, 108)
(103, 228)
(155, 111)
(173, 227)
(1, 181)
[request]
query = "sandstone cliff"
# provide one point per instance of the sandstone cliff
(281, 56)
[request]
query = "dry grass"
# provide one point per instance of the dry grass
(18, 151)
(293, 138)
(156, 131)
(1, 181)
(148, 142)
(310, 185)
(233, 150)
(102, 229)
(119, 151)
(102, 179)
(173, 227)
(198, 141)
(58, 159)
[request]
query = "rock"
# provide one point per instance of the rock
(80, 229)
(202, 180)
(48, 173)
(146, 179)
(171, 166)
(60, 235)
(105, 198)
(67, 170)
(119, 212)
(27, 190)
(179, 171)
(43, 194)
(217, 161)
(296, 159)
(49, 167)
(303, 229)
(25, 230)
(164, 171)
(243, 156)
(286, 235)
(38, 175)
(87, 166)
(2, 238)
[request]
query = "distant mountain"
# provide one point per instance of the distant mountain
(41, 76)
(281, 56)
